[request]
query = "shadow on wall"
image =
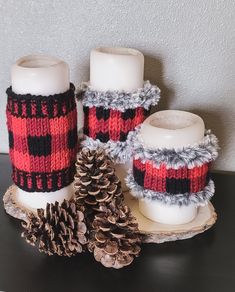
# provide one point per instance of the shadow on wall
(154, 72)
(81, 72)
(215, 121)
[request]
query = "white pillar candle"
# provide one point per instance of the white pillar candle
(40, 75)
(170, 129)
(117, 69)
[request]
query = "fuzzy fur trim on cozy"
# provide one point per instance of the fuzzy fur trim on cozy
(144, 97)
(191, 156)
(119, 152)
(199, 199)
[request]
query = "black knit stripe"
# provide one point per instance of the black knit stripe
(103, 137)
(11, 139)
(177, 186)
(86, 131)
(63, 104)
(54, 97)
(86, 120)
(102, 113)
(65, 175)
(129, 114)
(208, 177)
(72, 138)
(123, 136)
(39, 145)
(138, 176)
(38, 108)
(86, 110)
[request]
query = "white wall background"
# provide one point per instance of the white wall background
(188, 45)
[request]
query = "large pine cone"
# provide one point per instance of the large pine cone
(115, 241)
(95, 181)
(60, 229)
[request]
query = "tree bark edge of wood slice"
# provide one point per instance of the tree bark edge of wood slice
(11, 206)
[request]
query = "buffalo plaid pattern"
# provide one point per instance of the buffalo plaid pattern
(42, 140)
(173, 181)
(110, 124)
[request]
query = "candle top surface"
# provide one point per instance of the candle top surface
(118, 51)
(37, 61)
(173, 119)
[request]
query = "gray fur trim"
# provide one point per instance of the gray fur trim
(199, 199)
(119, 152)
(144, 97)
(191, 156)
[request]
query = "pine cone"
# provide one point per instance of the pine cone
(60, 229)
(115, 240)
(95, 181)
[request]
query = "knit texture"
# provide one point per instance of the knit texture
(173, 181)
(109, 116)
(42, 140)
(173, 176)
(109, 124)
(200, 198)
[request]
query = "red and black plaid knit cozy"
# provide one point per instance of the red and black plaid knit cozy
(112, 124)
(170, 180)
(112, 115)
(176, 175)
(42, 140)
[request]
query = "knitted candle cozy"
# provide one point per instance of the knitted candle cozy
(111, 115)
(42, 140)
(173, 176)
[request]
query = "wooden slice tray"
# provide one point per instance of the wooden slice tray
(151, 231)
(159, 233)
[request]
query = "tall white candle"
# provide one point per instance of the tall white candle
(170, 129)
(40, 75)
(117, 69)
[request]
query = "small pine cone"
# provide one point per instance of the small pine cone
(60, 229)
(95, 181)
(115, 240)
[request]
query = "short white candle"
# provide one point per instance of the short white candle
(117, 69)
(40, 75)
(170, 129)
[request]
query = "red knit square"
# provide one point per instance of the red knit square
(19, 126)
(20, 143)
(59, 125)
(21, 160)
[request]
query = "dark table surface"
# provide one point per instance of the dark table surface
(203, 263)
